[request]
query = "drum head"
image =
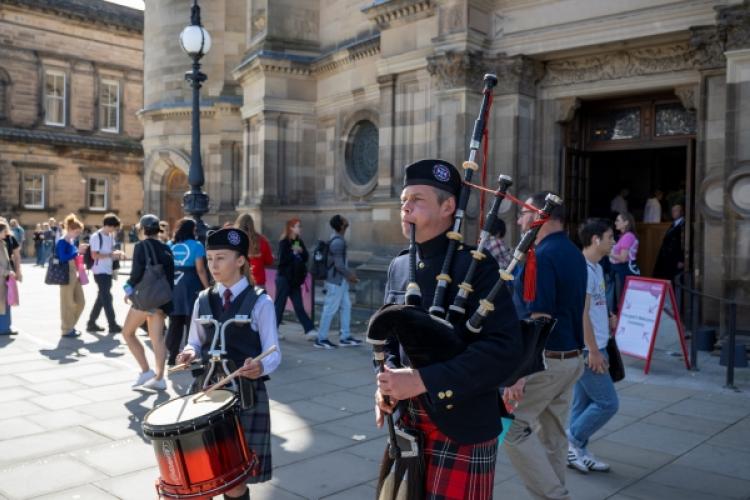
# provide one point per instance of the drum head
(189, 408)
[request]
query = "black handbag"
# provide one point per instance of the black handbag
(57, 273)
(153, 290)
(616, 368)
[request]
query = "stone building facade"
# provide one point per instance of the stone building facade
(313, 108)
(71, 82)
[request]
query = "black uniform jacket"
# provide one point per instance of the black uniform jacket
(462, 396)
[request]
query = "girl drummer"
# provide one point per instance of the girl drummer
(227, 260)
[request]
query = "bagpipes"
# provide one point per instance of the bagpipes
(429, 338)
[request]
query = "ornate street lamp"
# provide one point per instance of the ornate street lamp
(196, 42)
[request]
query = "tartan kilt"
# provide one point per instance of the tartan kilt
(453, 471)
(256, 423)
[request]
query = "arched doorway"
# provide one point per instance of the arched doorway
(175, 186)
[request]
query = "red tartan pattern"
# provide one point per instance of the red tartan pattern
(453, 471)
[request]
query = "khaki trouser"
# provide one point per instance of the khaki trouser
(71, 299)
(536, 442)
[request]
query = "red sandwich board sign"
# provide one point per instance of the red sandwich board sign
(641, 307)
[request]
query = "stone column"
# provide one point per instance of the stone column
(386, 138)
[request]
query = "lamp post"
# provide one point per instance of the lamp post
(196, 42)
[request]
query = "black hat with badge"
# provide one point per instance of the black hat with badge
(436, 173)
(228, 239)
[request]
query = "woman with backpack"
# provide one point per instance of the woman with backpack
(72, 300)
(153, 265)
(191, 277)
(291, 274)
(260, 254)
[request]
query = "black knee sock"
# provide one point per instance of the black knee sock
(244, 496)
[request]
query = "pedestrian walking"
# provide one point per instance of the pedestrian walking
(106, 258)
(6, 271)
(671, 258)
(72, 300)
(291, 274)
(260, 254)
(149, 246)
(337, 289)
(20, 234)
(38, 241)
(594, 396)
(233, 294)
(48, 242)
(190, 277)
(553, 287)
(13, 248)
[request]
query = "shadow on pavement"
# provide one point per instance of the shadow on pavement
(68, 350)
(138, 410)
(6, 340)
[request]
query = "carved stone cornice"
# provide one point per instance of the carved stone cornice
(734, 25)
(388, 13)
(348, 55)
(707, 43)
(698, 54)
(516, 75)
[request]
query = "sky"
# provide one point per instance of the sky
(136, 4)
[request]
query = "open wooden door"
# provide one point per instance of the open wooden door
(576, 189)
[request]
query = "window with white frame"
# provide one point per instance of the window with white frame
(54, 98)
(109, 106)
(97, 193)
(33, 187)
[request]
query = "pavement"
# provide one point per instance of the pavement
(70, 424)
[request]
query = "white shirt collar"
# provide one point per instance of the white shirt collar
(678, 221)
(236, 289)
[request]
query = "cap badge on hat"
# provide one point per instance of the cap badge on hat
(441, 172)
(234, 238)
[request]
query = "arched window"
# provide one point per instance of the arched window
(362, 152)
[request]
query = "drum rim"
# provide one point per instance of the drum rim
(216, 490)
(193, 424)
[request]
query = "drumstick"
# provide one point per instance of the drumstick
(179, 367)
(234, 374)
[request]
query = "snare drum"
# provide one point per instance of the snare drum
(199, 445)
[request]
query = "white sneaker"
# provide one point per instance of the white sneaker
(143, 377)
(311, 335)
(593, 464)
(576, 459)
(158, 384)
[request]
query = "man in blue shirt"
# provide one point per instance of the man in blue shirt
(536, 442)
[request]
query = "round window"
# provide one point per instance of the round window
(362, 153)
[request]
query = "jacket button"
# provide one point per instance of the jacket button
(448, 394)
(420, 265)
(449, 407)
(441, 395)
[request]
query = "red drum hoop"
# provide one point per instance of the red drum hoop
(200, 445)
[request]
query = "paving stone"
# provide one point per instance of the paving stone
(56, 387)
(323, 475)
(656, 438)
(511, 488)
(350, 379)
(11, 381)
(19, 409)
(113, 377)
(268, 491)
(120, 392)
(701, 481)
(285, 421)
(736, 436)
(362, 424)
(120, 427)
(629, 454)
(60, 401)
(350, 401)
(639, 408)
(685, 423)
(361, 491)
(721, 460)
(313, 412)
(16, 393)
(301, 444)
(372, 449)
(134, 486)
(41, 477)
(726, 397)
(87, 492)
(119, 457)
(27, 367)
(70, 372)
(599, 485)
(13, 451)
(16, 427)
(59, 419)
(657, 392)
(503, 472)
(649, 490)
(617, 422)
(714, 411)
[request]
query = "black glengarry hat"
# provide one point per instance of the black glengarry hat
(228, 239)
(436, 173)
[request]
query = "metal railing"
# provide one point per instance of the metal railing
(694, 313)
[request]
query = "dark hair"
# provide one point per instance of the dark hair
(3, 226)
(591, 228)
(111, 220)
(498, 228)
(185, 230)
(557, 213)
(628, 217)
(337, 222)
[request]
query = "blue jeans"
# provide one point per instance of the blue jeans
(337, 298)
(5, 320)
(594, 403)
